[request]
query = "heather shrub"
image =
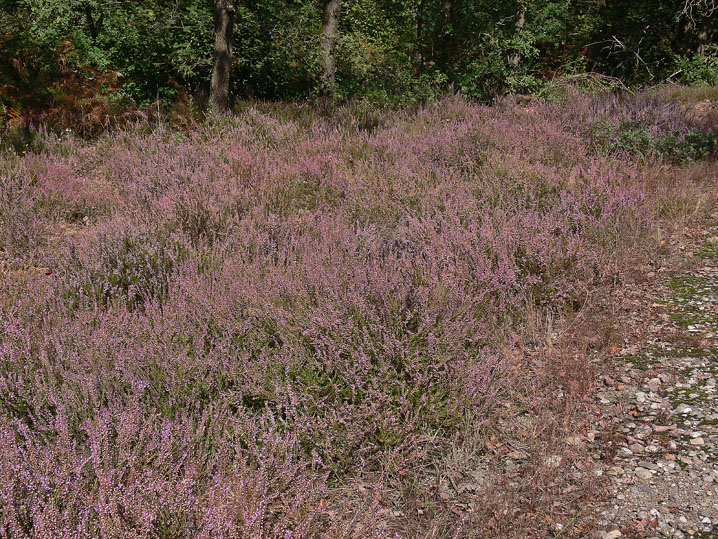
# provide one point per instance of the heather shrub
(248, 316)
(676, 146)
(197, 219)
(118, 265)
(648, 125)
(61, 194)
(20, 226)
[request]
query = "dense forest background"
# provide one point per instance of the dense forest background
(65, 59)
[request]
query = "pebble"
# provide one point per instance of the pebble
(683, 409)
(668, 460)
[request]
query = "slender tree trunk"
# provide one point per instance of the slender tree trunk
(703, 34)
(448, 38)
(330, 27)
(94, 25)
(448, 14)
(223, 30)
(418, 43)
(515, 58)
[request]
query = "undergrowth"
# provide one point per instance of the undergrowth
(223, 328)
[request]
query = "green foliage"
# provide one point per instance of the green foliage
(692, 146)
(156, 47)
(492, 74)
(635, 139)
(388, 51)
(629, 137)
(700, 70)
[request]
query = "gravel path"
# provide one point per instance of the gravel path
(662, 399)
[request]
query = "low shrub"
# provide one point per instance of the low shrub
(236, 321)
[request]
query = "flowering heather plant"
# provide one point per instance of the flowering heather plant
(650, 125)
(233, 322)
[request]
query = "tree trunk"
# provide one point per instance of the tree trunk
(448, 14)
(223, 29)
(515, 58)
(330, 27)
(94, 25)
(418, 43)
(703, 36)
(448, 47)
